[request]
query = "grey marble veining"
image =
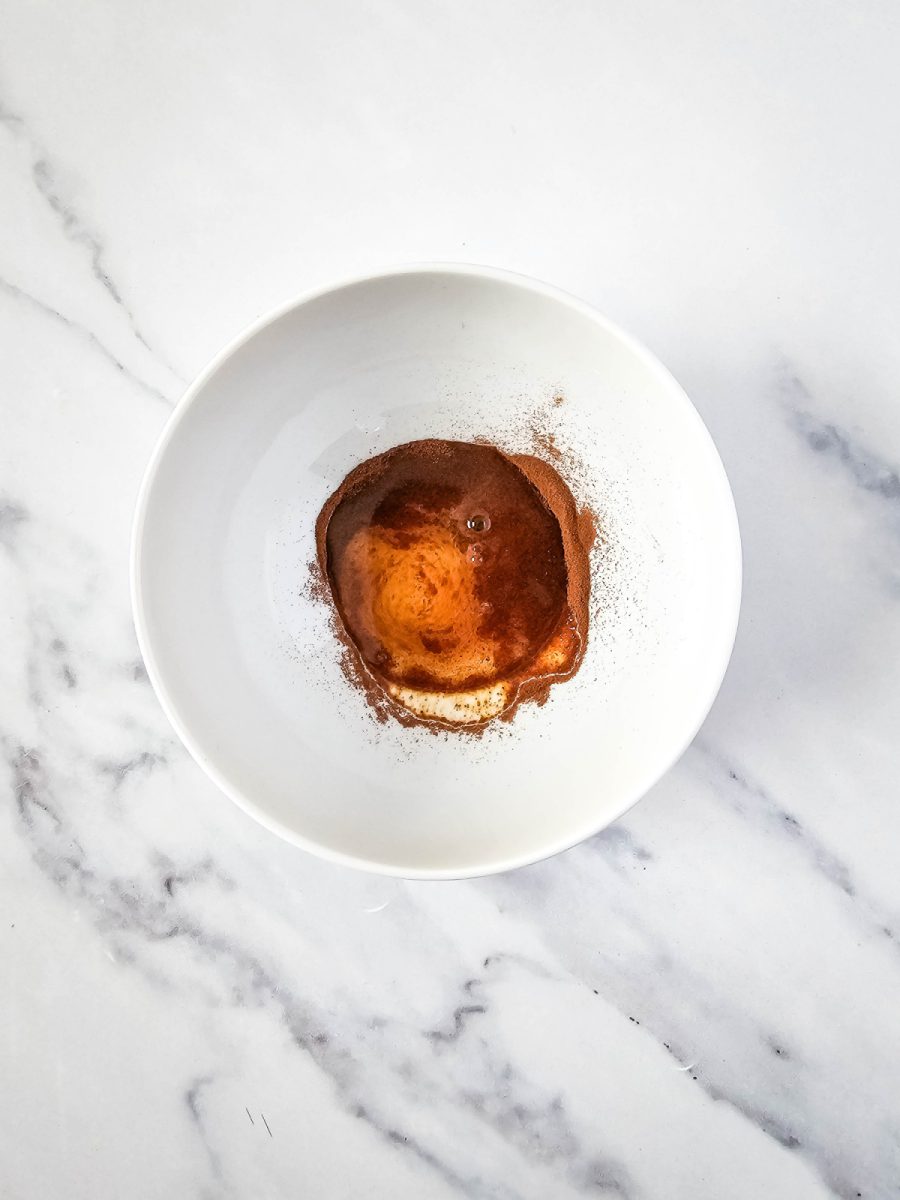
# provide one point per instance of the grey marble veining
(703, 1000)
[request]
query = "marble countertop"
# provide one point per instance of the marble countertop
(704, 1001)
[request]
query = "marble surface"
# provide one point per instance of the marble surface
(705, 1000)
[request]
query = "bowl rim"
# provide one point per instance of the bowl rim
(246, 802)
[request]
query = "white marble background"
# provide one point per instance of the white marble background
(701, 1003)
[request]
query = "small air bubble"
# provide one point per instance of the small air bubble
(475, 555)
(479, 523)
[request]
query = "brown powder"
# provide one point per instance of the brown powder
(544, 445)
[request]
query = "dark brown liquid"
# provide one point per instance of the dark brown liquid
(447, 567)
(461, 577)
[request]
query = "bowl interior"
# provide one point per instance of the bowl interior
(245, 661)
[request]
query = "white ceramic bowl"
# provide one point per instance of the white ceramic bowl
(244, 661)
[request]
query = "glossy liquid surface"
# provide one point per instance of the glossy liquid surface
(449, 574)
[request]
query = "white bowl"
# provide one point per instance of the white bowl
(244, 661)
